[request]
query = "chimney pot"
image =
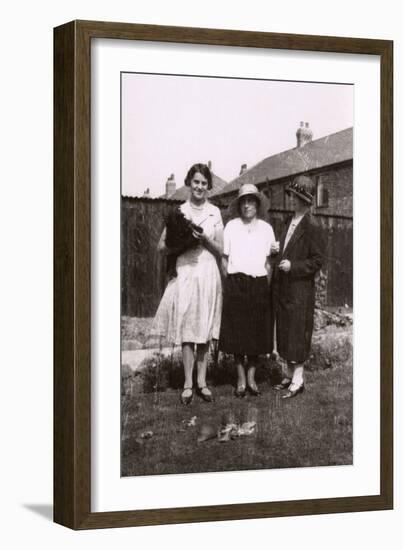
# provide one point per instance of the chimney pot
(170, 186)
(304, 134)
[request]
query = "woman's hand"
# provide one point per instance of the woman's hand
(212, 244)
(285, 265)
(275, 247)
(201, 237)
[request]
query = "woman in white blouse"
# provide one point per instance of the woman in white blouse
(246, 326)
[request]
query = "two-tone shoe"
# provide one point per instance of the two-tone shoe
(205, 394)
(284, 384)
(240, 391)
(186, 396)
(253, 389)
(294, 392)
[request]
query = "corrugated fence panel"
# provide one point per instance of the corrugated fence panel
(142, 268)
(339, 261)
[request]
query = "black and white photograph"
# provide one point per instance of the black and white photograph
(236, 274)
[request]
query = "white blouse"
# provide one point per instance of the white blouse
(291, 228)
(247, 246)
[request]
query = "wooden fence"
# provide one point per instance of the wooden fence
(143, 270)
(338, 264)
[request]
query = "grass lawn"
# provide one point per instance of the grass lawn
(313, 429)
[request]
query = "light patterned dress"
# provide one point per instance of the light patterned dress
(190, 309)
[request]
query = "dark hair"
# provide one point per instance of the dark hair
(257, 200)
(203, 169)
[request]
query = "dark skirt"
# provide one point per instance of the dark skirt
(246, 324)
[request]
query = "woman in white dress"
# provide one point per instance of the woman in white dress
(189, 313)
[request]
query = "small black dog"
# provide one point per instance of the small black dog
(179, 236)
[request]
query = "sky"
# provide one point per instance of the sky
(171, 122)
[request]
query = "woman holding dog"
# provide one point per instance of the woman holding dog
(246, 328)
(300, 257)
(190, 310)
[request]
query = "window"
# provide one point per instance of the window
(322, 194)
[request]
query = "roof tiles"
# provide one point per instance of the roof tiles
(325, 151)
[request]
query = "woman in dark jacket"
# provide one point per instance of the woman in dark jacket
(300, 257)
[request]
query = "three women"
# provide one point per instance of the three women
(190, 310)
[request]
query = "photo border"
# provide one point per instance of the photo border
(72, 274)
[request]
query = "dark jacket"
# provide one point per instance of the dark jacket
(294, 292)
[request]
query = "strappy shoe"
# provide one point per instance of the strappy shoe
(240, 391)
(205, 394)
(186, 399)
(294, 393)
(284, 384)
(253, 389)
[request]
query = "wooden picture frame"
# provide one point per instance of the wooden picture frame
(72, 272)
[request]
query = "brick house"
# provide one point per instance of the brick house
(328, 160)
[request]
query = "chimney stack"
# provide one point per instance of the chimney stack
(170, 186)
(244, 167)
(304, 134)
(210, 165)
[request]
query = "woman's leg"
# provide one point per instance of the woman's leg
(201, 364)
(188, 362)
(298, 375)
(201, 372)
(241, 383)
(252, 387)
(252, 360)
